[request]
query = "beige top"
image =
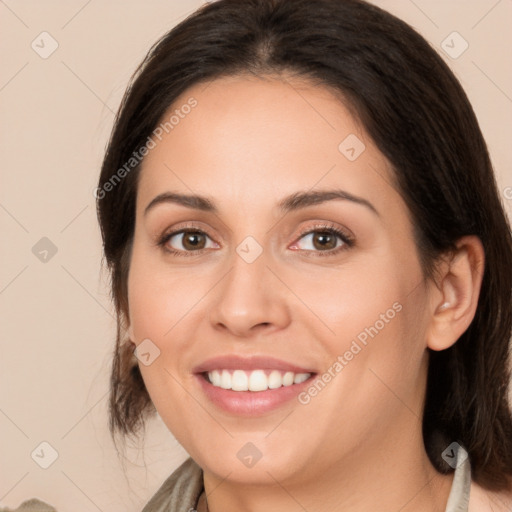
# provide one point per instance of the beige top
(183, 490)
(33, 505)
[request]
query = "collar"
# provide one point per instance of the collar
(182, 491)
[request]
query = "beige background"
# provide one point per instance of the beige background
(57, 327)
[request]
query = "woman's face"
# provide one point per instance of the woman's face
(298, 278)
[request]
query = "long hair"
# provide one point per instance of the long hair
(418, 115)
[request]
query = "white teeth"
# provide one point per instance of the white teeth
(256, 380)
(239, 381)
(225, 380)
(275, 380)
(288, 378)
(300, 378)
(215, 378)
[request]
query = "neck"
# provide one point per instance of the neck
(396, 475)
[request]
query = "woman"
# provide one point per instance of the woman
(311, 266)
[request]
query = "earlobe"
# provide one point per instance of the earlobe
(455, 296)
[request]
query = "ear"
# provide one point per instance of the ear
(454, 295)
(129, 332)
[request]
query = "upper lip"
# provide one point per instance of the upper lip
(233, 362)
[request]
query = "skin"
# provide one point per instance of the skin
(357, 445)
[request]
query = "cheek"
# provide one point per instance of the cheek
(158, 299)
(158, 307)
(370, 321)
(362, 299)
(373, 370)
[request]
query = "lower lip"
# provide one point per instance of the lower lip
(251, 403)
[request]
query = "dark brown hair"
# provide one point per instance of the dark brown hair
(417, 113)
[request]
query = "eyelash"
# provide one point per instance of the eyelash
(348, 240)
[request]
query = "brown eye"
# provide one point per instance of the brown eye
(188, 241)
(192, 241)
(324, 240)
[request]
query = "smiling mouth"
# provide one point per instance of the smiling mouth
(255, 380)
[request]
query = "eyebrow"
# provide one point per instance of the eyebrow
(190, 201)
(292, 202)
(304, 199)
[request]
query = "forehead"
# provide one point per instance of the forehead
(246, 137)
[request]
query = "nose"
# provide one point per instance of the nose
(249, 299)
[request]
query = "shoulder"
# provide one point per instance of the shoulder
(33, 505)
(482, 500)
(180, 491)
